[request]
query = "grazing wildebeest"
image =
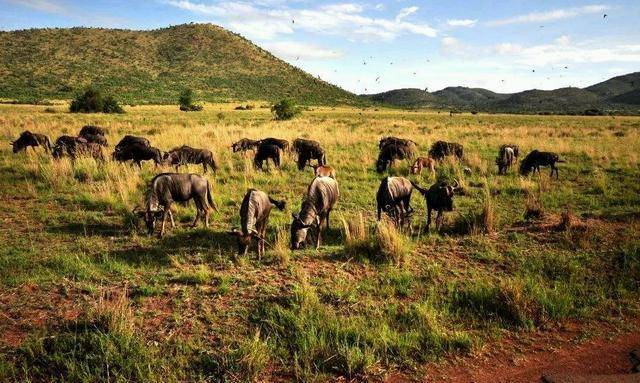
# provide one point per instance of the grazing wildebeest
(92, 130)
(185, 155)
(391, 152)
(322, 195)
(394, 198)
(440, 149)
(535, 159)
(439, 197)
(323, 171)
(308, 150)
(138, 153)
(244, 144)
(167, 188)
(395, 141)
(27, 139)
(282, 144)
(95, 138)
(76, 147)
(505, 159)
(254, 216)
(131, 140)
(265, 153)
(423, 162)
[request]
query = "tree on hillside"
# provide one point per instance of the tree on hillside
(186, 102)
(92, 101)
(285, 109)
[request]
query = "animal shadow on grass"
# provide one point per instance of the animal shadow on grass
(197, 240)
(101, 229)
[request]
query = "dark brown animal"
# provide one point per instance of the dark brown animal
(322, 195)
(439, 197)
(75, 147)
(394, 198)
(185, 155)
(265, 153)
(131, 140)
(395, 141)
(534, 160)
(307, 151)
(92, 130)
(392, 152)
(515, 148)
(441, 149)
(27, 139)
(138, 153)
(95, 138)
(254, 216)
(282, 144)
(423, 162)
(167, 188)
(244, 144)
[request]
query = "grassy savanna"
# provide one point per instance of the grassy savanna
(84, 296)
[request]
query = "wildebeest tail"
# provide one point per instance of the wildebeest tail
(210, 198)
(419, 188)
(279, 204)
(562, 161)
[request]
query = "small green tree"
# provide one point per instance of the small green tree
(285, 109)
(92, 101)
(186, 102)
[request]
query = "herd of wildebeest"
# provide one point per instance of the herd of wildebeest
(393, 196)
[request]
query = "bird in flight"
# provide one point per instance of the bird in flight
(605, 16)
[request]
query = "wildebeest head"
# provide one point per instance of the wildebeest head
(26, 139)
(299, 232)
(382, 164)
(244, 240)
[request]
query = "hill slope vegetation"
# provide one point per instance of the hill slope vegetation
(152, 66)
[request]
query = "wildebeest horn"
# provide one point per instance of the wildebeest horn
(456, 185)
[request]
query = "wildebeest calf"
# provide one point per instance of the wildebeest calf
(254, 216)
(322, 195)
(441, 149)
(323, 171)
(27, 139)
(185, 155)
(394, 198)
(535, 159)
(423, 162)
(265, 153)
(244, 144)
(308, 150)
(439, 197)
(167, 188)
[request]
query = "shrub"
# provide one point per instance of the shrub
(92, 101)
(285, 109)
(186, 102)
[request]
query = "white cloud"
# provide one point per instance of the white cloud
(507, 48)
(293, 50)
(453, 46)
(555, 14)
(42, 5)
(563, 40)
(260, 21)
(461, 22)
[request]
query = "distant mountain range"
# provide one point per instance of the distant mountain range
(620, 94)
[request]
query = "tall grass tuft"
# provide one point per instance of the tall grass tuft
(281, 250)
(384, 244)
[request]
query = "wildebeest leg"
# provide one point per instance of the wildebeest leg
(173, 224)
(139, 164)
(439, 218)
(204, 167)
(195, 221)
(164, 218)
(428, 218)
(206, 217)
(328, 212)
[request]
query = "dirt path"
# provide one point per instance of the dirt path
(526, 358)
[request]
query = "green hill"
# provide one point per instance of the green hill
(152, 66)
(407, 97)
(616, 85)
(468, 97)
(563, 99)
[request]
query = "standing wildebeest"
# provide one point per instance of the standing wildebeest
(92, 130)
(439, 197)
(440, 149)
(31, 139)
(166, 188)
(266, 152)
(394, 198)
(423, 162)
(244, 144)
(138, 153)
(535, 159)
(515, 148)
(254, 216)
(391, 152)
(308, 150)
(322, 195)
(131, 140)
(185, 155)
(395, 141)
(505, 159)
(282, 144)
(76, 147)
(323, 171)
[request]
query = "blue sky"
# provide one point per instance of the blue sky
(372, 46)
